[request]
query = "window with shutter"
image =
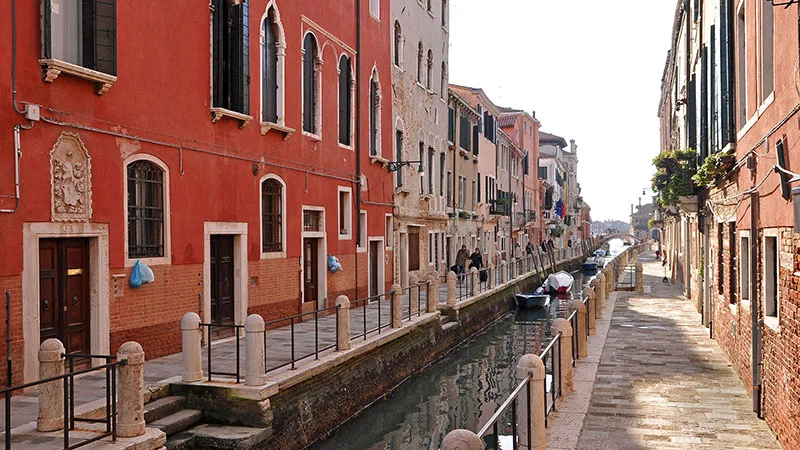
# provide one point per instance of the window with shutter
(83, 34)
(430, 170)
(441, 173)
(269, 75)
(345, 103)
(413, 248)
(398, 44)
(309, 83)
(475, 140)
(451, 125)
(464, 128)
(231, 56)
(429, 79)
(374, 115)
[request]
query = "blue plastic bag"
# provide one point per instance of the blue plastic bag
(147, 273)
(333, 264)
(136, 276)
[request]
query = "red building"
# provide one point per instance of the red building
(224, 143)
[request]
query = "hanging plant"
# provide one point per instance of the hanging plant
(714, 168)
(673, 179)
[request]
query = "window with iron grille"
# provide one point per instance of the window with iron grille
(145, 210)
(271, 216)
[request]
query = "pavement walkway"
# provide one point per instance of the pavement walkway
(654, 379)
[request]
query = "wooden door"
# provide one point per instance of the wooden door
(373, 267)
(310, 269)
(222, 296)
(64, 293)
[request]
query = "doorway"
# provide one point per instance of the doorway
(374, 248)
(310, 273)
(222, 285)
(64, 292)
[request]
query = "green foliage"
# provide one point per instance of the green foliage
(650, 224)
(714, 168)
(673, 178)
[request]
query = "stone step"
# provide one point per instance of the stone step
(225, 437)
(163, 407)
(178, 421)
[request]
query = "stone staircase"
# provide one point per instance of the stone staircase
(185, 430)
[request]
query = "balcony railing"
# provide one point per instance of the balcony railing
(498, 207)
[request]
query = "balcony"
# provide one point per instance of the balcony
(498, 207)
(530, 216)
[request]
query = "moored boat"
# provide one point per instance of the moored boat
(532, 300)
(559, 282)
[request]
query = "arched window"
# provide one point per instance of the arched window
(419, 63)
(398, 44)
(443, 88)
(145, 210)
(374, 116)
(269, 68)
(271, 216)
(310, 84)
(345, 101)
(429, 79)
(444, 13)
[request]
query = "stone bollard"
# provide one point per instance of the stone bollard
(462, 440)
(610, 279)
(433, 292)
(51, 395)
(639, 278)
(578, 305)
(130, 407)
(592, 310)
(343, 322)
(191, 336)
(601, 291)
(413, 293)
(473, 274)
(532, 365)
(503, 272)
(490, 277)
(254, 371)
(595, 285)
(562, 326)
(397, 306)
(451, 288)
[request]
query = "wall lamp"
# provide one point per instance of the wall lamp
(394, 166)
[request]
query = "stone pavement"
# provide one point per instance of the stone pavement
(660, 381)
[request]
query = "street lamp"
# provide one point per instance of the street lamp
(394, 166)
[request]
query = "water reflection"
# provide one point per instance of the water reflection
(462, 390)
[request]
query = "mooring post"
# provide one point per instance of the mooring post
(397, 306)
(130, 410)
(601, 291)
(534, 429)
(343, 323)
(562, 326)
(462, 440)
(578, 305)
(451, 288)
(610, 273)
(490, 277)
(255, 371)
(413, 293)
(433, 292)
(191, 337)
(473, 274)
(639, 278)
(592, 310)
(51, 395)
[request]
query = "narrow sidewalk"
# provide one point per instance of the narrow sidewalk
(661, 382)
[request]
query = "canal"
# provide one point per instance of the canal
(461, 390)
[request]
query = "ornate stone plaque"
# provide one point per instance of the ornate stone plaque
(70, 180)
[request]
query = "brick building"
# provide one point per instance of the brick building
(730, 92)
(232, 163)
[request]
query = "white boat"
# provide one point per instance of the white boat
(532, 300)
(560, 282)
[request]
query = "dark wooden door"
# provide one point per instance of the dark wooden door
(373, 267)
(64, 293)
(310, 269)
(222, 296)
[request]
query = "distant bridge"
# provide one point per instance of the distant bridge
(629, 238)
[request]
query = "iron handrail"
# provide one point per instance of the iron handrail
(365, 302)
(68, 380)
(237, 329)
(555, 362)
(510, 401)
(407, 291)
(293, 357)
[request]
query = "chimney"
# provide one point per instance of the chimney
(573, 147)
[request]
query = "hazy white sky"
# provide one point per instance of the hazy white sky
(590, 69)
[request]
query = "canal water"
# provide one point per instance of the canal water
(461, 390)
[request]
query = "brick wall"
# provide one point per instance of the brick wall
(13, 285)
(274, 288)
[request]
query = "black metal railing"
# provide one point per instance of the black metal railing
(551, 357)
(68, 380)
(422, 291)
(379, 306)
(209, 357)
(322, 340)
(463, 285)
(509, 406)
(573, 323)
(483, 279)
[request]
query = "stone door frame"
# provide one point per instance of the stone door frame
(240, 266)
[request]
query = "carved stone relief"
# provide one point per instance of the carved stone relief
(70, 180)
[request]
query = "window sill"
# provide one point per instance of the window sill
(444, 28)
(154, 261)
(768, 101)
(267, 126)
(54, 67)
(273, 255)
(380, 160)
(345, 236)
(402, 190)
(312, 136)
(772, 323)
(218, 113)
(464, 153)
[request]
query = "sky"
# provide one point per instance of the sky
(590, 69)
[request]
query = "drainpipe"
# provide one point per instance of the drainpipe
(754, 304)
(358, 139)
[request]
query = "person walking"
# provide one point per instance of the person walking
(461, 260)
(476, 259)
(529, 249)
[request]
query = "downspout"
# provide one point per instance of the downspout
(754, 305)
(358, 139)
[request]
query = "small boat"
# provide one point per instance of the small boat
(559, 282)
(590, 266)
(532, 300)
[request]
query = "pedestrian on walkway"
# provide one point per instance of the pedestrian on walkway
(529, 249)
(461, 260)
(476, 259)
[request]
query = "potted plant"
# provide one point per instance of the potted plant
(674, 176)
(714, 168)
